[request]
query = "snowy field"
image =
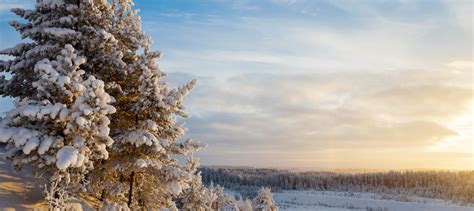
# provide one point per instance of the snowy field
(338, 201)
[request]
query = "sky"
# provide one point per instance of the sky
(317, 84)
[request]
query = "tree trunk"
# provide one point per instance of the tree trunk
(102, 195)
(130, 193)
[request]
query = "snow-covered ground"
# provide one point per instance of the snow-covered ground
(337, 201)
(19, 192)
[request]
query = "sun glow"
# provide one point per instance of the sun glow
(462, 144)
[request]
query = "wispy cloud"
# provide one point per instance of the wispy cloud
(415, 35)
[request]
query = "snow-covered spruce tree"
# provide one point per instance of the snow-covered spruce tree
(84, 56)
(264, 200)
(62, 128)
(60, 121)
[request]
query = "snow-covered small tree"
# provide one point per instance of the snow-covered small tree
(244, 205)
(264, 200)
(223, 200)
(201, 198)
(197, 197)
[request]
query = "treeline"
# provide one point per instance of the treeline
(448, 185)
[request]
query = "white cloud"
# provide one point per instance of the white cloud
(281, 116)
(462, 11)
(462, 64)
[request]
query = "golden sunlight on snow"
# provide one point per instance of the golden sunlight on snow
(18, 192)
(15, 193)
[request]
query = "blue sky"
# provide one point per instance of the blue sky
(307, 83)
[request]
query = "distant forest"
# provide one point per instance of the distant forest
(457, 186)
